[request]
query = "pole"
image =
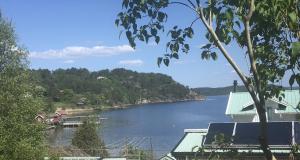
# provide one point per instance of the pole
(151, 149)
(126, 148)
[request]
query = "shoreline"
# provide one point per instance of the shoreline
(78, 111)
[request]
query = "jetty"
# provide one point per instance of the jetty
(70, 121)
(74, 123)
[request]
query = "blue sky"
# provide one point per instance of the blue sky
(82, 34)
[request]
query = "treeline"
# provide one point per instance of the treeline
(207, 91)
(108, 87)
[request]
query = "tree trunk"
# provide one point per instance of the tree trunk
(258, 101)
(263, 138)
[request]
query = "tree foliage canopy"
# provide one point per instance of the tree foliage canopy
(86, 138)
(115, 87)
(21, 136)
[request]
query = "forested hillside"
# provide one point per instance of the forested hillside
(105, 87)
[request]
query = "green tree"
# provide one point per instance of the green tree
(49, 105)
(86, 138)
(264, 29)
(21, 136)
(132, 152)
(66, 95)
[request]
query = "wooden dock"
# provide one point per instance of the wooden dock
(79, 117)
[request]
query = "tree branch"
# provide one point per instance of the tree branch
(250, 49)
(210, 15)
(226, 55)
(191, 3)
(260, 100)
(194, 21)
(251, 10)
(181, 3)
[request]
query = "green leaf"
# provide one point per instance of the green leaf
(292, 20)
(214, 55)
(207, 46)
(166, 61)
(292, 80)
(141, 37)
(161, 16)
(296, 49)
(134, 26)
(158, 26)
(120, 34)
(293, 17)
(205, 55)
(132, 43)
(153, 31)
(159, 60)
(117, 22)
(175, 55)
(238, 24)
(297, 77)
(186, 46)
(128, 34)
(157, 39)
(189, 32)
(125, 3)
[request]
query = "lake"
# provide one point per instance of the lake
(156, 127)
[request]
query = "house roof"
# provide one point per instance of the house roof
(238, 102)
(191, 140)
(167, 157)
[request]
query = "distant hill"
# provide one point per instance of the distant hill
(207, 91)
(110, 87)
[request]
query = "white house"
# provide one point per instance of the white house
(240, 107)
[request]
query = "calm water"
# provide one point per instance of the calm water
(159, 125)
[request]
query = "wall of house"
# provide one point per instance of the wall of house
(242, 118)
(273, 117)
(285, 117)
(271, 107)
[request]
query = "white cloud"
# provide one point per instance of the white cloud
(79, 51)
(135, 62)
(233, 71)
(69, 61)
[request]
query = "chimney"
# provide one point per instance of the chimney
(234, 85)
